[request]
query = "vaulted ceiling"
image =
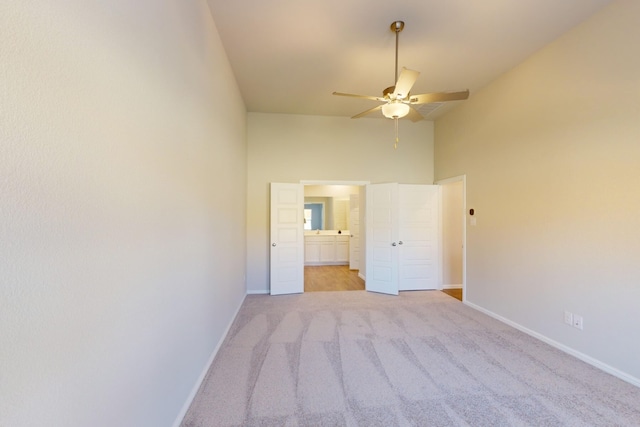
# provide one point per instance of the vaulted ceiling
(288, 56)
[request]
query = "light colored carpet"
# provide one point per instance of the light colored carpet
(418, 359)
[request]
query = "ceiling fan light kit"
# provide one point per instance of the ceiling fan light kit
(398, 100)
(395, 110)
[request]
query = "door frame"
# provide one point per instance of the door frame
(463, 179)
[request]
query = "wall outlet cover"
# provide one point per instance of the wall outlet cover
(578, 321)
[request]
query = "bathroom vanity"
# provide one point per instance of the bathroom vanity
(326, 247)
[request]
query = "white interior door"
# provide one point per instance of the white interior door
(354, 228)
(381, 237)
(287, 239)
(419, 237)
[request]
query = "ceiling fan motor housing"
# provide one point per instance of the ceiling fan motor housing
(388, 91)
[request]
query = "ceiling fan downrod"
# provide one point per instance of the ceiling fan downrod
(397, 27)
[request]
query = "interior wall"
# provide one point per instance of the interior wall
(551, 155)
(123, 200)
(452, 218)
(291, 148)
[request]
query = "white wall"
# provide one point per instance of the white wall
(552, 157)
(122, 205)
(290, 148)
(452, 235)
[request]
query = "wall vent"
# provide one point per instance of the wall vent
(426, 109)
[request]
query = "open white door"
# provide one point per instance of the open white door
(419, 237)
(381, 237)
(354, 227)
(287, 239)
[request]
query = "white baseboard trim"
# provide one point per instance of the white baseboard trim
(451, 286)
(360, 275)
(198, 383)
(585, 358)
(255, 292)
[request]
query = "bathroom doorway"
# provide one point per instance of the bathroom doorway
(332, 236)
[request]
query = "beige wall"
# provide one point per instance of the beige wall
(290, 148)
(551, 151)
(123, 197)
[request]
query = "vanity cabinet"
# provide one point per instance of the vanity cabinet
(326, 250)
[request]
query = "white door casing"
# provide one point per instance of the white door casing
(354, 228)
(287, 239)
(419, 237)
(381, 236)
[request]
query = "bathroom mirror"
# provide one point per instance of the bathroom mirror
(326, 207)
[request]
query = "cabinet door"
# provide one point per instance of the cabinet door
(328, 250)
(311, 251)
(342, 249)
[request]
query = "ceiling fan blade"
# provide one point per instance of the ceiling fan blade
(414, 115)
(364, 113)
(373, 98)
(405, 82)
(427, 98)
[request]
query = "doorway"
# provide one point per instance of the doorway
(332, 245)
(454, 236)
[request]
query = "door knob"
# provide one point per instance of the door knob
(393, 244)
(400, 242)
(273, 244)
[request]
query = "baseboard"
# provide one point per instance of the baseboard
(360, 275)
(196, 387)
(451, 286)
(585, 358)
(257, 292)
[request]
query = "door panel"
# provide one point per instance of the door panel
(419, 237)
(287, 239)
(381, 232)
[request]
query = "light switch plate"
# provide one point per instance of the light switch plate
(568, 318)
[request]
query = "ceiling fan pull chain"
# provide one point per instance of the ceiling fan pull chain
(395, 146)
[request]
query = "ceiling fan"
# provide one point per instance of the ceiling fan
(397, 100)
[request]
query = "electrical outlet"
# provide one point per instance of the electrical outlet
(568, 317)
(577, 321)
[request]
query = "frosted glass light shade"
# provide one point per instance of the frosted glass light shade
(395, 110)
